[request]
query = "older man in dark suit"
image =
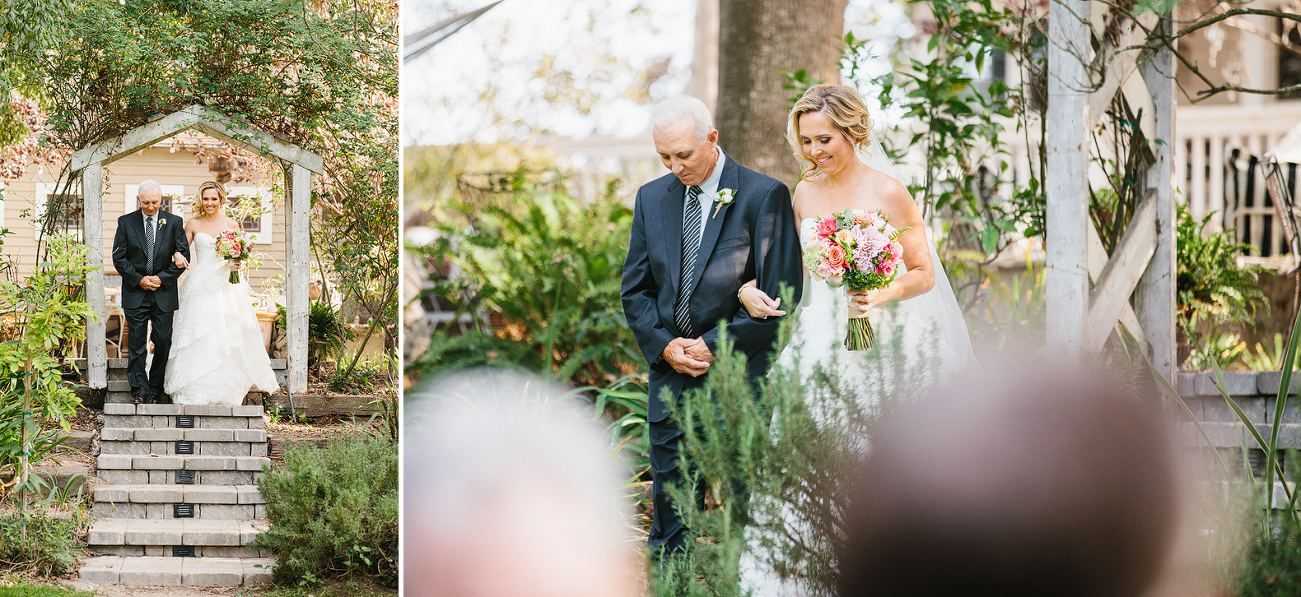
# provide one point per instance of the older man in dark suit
(143, 247)
(698, 234)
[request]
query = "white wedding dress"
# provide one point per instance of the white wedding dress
(918, 342)
(217, 352)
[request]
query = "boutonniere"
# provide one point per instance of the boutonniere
(162, 221)
(721, 198)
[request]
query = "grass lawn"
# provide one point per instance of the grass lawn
(26, 590)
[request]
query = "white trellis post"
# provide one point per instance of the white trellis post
(1081, 316)
(298, 191)
(299, 166)
(92, 181)
(1155, 298)
(1067, 183)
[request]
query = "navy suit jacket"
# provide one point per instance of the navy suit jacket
(753, 237)
(129, 258)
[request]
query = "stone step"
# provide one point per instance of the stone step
(191, 494)
(215, 502)
(168, 511)
(168, 551)
(172, 447)
(153, 462)
(176, 531)
(168, 477)
(170, 421)
(213, 410)
(168, 571)
(172, 434)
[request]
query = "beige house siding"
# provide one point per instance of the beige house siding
(178, 169)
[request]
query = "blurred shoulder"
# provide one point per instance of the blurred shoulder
(757, 181)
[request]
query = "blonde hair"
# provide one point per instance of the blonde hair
(197, 205)
(846, 110)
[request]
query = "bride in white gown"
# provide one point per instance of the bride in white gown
(217, 351)
(916, 314)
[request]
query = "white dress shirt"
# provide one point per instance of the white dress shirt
(708, 190)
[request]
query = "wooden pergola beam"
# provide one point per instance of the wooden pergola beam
(212, 122)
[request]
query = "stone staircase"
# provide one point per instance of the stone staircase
(178, 501)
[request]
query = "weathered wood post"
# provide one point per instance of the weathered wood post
(1155, 298)
(1067, 183)
(92, 185)
(298, 191)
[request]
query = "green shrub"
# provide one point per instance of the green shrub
(774, 462)
(1273, 564)
(1212, 289)
(362, 379)
(550, 266)
(326, 333)
(50, 547)
(334, 511)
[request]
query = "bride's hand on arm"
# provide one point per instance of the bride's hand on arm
(758, 303)
(180, 260)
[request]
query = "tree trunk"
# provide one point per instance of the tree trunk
(758, 39)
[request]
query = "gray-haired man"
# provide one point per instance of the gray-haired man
(142, 253)
(697, 235)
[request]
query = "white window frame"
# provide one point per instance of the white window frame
(43, 191)
(263, 194)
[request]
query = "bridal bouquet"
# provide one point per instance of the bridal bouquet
(234, 245)
(861, 252)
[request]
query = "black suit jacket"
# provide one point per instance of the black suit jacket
(754, 237)
(129, 258)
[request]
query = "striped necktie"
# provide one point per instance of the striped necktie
(691, 223)
(149, 242)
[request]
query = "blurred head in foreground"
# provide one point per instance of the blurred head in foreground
(510, 490)
(1028, 480)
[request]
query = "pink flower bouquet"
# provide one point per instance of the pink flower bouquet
(861, 252)
(234, 245)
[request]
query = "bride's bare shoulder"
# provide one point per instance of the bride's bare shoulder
(894, 198)
(807, 194)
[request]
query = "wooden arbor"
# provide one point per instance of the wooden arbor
(1088, 291)
(298, 164)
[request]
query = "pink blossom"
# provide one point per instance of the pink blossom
(871, 240)
(827, 227)
(836, 257)
(891, 257)
(830, 273)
